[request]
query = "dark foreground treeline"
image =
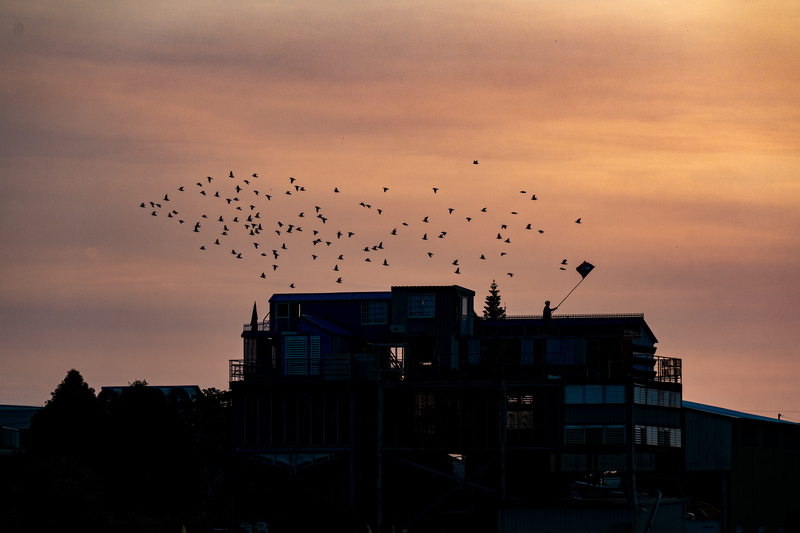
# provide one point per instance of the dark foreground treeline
(137, 465)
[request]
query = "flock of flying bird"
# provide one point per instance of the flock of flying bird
(248, 207)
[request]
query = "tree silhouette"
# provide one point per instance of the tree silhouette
(492, 309)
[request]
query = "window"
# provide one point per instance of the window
(594, 394)
(639, 395)
(573, 434)
(573, 394)
(421, 305)
(315, 356)
(615, 435)
(615, 393)
(294, 356)
(374, 312)
(249, 351)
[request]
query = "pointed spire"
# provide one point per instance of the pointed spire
(254, 319)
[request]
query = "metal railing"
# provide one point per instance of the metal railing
(261, 326)
(575, 315)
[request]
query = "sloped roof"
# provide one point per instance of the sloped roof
(326, 325)
(730, 413)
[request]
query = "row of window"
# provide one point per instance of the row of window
(594, 434)
(422, 305)
(657, 436)
(594, 394)
(663, 398)
(598, 394)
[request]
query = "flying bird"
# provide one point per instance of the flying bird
(434, 190)
(578, 221)
(475, 162)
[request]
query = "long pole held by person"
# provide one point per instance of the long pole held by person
(583, 269)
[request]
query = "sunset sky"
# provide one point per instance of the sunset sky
(671, 129)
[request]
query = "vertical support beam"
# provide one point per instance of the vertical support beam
(258, 416)
(503, 422)
(352, 448)
(379, 458)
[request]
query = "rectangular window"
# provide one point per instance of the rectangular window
(249, 351)
(315, 356)
(615, 435)
(638, 434)
(573, 434)
(573, 394)
(639, 395)
(374, 312)
(421, 305)
(294, 356)
(615, 393)
(675, 401)
(594, 394)
(652, 397)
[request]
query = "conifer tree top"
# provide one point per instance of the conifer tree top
(492, 309)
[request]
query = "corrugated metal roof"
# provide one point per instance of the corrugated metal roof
(730, 412)
(331, 296)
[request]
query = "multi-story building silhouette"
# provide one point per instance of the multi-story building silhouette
(420, 412)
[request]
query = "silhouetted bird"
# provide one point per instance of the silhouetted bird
(335, 189)
(541, 231)
(394, 231)
(564, 262)
(274, 267)
(430, 254)
(385, 263)
(534, 197)
(339, 280)
(482, 256)
(435, 189)
(455, 262)
(483, 210)
(385, 189)
(528, 226)
(263, 275)
(450, 209)
(424, 237)
(180, 188)
(209, 178)
(510, 274)
(475, 162)
(203, 193)
(578, 221)
(458, 270)
(202, 247)
(231, 173)
(336, 267)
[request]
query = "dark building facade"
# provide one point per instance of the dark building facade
(422, 414)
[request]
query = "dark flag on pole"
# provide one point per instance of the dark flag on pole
(584, 269)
